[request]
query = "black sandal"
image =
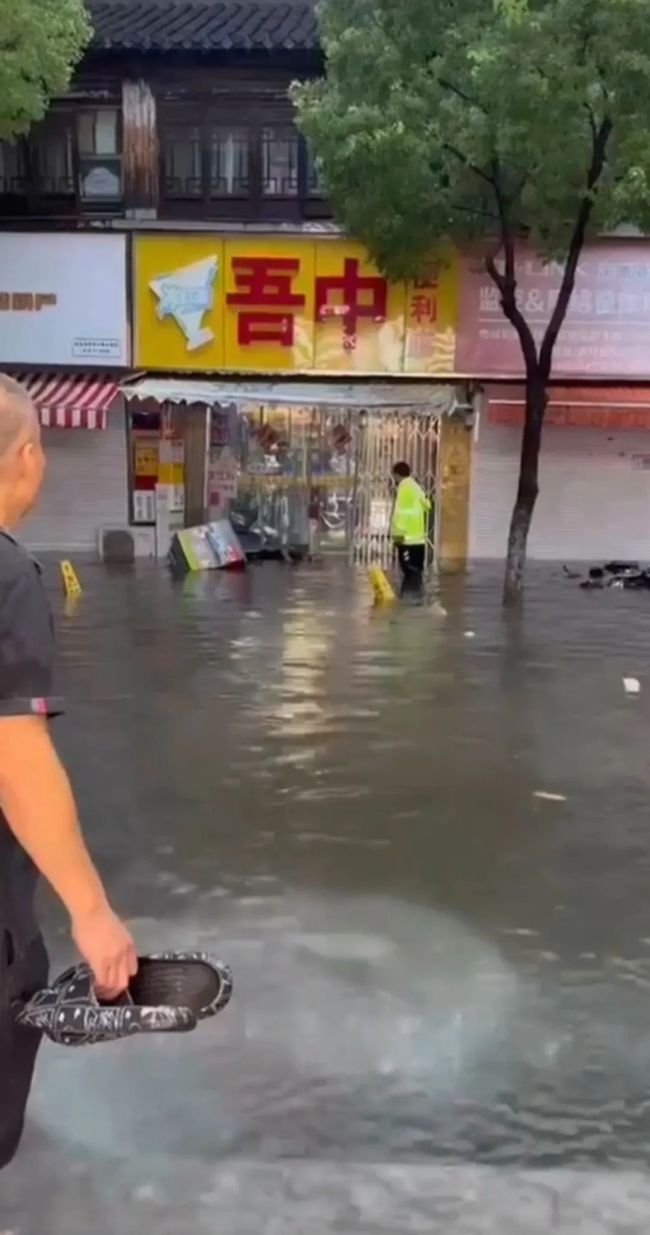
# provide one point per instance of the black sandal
(171, 993)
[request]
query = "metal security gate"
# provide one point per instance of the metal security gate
(321, 477)
(382, 439)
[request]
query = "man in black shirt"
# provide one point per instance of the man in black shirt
(39, 828)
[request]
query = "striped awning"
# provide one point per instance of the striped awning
(71, 400)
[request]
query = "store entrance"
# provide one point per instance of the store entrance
(383, 439)
(321, 478)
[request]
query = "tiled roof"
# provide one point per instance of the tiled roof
(204, 25)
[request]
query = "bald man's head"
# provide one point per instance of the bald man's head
(18, 417)
(22, 463)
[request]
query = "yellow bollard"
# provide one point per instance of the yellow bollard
(71, 584)
(380, 584)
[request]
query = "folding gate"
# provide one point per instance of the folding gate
(382, 439)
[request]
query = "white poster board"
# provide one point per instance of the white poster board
(63, 299)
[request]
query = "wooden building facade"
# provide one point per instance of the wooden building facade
(180, 112)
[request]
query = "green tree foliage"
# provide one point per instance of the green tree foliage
(40, 42)
(485, 121)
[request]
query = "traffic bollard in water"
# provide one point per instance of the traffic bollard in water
(383, 592)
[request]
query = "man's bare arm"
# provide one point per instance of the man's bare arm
(37, 801)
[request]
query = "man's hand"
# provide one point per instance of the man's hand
(106, 945)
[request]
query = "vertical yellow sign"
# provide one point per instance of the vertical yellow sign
(432, 317)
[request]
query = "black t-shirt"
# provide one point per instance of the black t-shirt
(26, 666)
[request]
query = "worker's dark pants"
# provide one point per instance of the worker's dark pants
(22, 973)
(411, 563)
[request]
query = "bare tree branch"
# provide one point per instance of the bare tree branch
(598, 161)
(461, 94)
(507, 282)
(471, 167)
(475, 212)
(592, 122)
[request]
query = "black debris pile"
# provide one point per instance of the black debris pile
(624, 575)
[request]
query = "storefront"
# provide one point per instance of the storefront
(312, 461)
(594, 500)
(64, 335)
(322, 355)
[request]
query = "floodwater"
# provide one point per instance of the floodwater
(422, 840)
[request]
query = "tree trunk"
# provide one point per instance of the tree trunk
(528, 486)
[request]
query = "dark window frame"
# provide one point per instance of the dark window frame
(254, 114)
(62, 122)
(117, 200)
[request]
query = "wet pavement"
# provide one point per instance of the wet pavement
(442, 1010)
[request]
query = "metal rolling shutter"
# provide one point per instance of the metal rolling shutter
(85, 487)
(594, 498)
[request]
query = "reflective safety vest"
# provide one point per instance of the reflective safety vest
(409, 523)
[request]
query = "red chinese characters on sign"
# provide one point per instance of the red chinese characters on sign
(423, 305)
(353, 297)
(266, 299)
(423, 309)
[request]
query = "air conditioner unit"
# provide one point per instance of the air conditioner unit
(116, 544)
(123, 544)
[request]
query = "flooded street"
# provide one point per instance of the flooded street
(441, 1017)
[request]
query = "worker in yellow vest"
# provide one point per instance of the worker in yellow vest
(409, 527)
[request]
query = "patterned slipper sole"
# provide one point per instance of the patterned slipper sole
(171, 993)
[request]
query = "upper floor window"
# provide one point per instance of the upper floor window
(280, 161)
(182, 161)
(13, 170)
(314, 184)
(75, 153)
(100, 161)
(231, 157)
(229, 161)
(53, 156)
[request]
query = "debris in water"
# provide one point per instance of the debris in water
(632, 686)
(470, 634)
(549, 797)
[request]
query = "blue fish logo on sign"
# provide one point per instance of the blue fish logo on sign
(186, 295)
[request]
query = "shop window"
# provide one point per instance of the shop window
(12, 167)
(280, 156)
(144, 445)
(182, 161)
(100, 160)
(229, 162)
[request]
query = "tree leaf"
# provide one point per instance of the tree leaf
(40, 42)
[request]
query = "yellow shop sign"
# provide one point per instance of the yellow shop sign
(269, 304)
